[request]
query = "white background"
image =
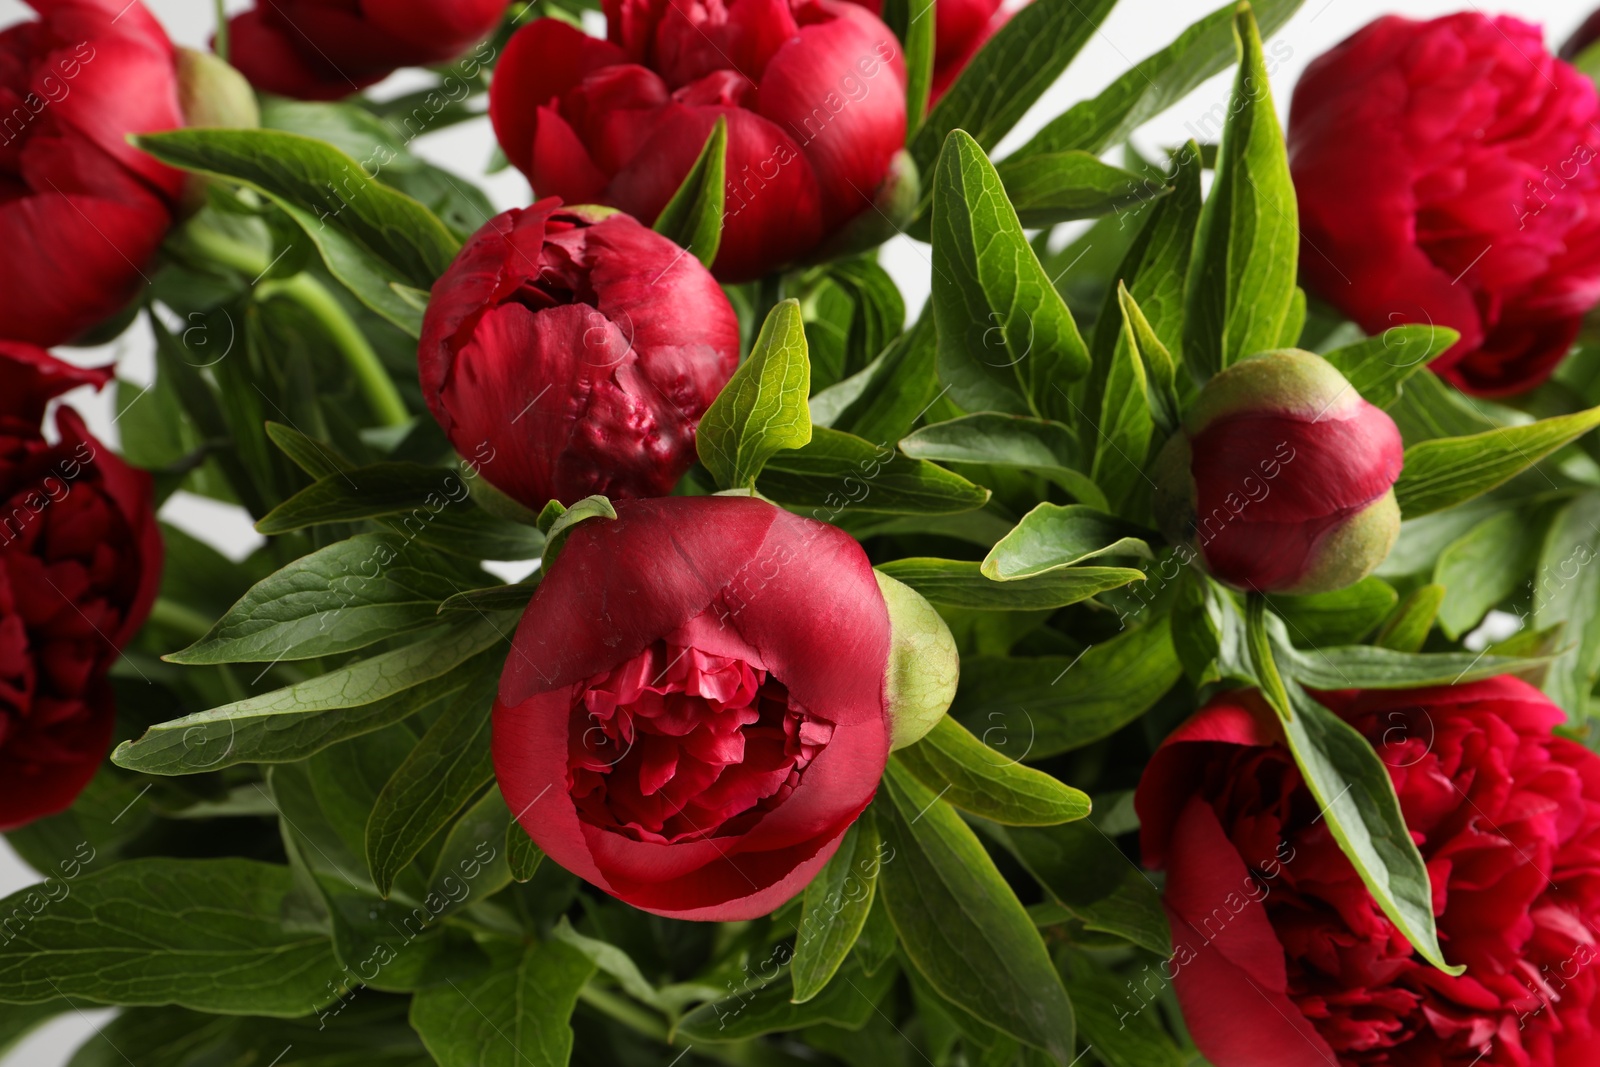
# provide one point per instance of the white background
(1134, 30)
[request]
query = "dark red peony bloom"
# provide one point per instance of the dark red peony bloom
(328, 49)
(579, 350)
(1282, 957)
(813, 91)
(961, 27)
(1447, 174)
(80, 559)
(82, 211)
(1282, 476)
(694, 709)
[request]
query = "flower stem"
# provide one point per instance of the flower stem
(371, 377)
(220, 45)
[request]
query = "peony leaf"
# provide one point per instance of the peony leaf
(961, 584)
(513, 1016)
(835, 909)
(1084, 872)
(1156, 83)
(446, 769)
(693, 217)
(204, 934)
(1126, 425)
(1006, 339)
(296, 721)
(1447, 471)
(1341, 617)
(1009, 73)
(839, 471)
(1031, 708)
(1111, 1021)
(970, 775)
(850, 1000)
(1568, 593)
(561, 523)
(1039, 445)
(762, 410)
(1352, 787)
(523, 857)
(1486, 565)
(1241, 286)
(912, 22)
(961, 925)
(472, 864)
(1379, 366)
(1140, 338)
(1053, 536)
(349, 595)
(1407, 629)
(1062, 186)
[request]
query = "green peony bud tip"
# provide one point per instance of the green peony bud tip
(920, 680)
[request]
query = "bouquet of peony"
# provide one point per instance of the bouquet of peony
(1174, 642)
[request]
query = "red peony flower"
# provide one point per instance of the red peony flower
(1447, 174)
(578, 350)
(328, 49)
(1282, 957)
(80, 559)
(813, 91)
(695, 707)
(961, 27)
(1281, 477)
(82, 211)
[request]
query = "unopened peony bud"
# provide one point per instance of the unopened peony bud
(1281, 477)
(569, 352)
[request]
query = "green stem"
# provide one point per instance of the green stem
(373, 380)
(220, 45)
(175, 616)
(624, 1011)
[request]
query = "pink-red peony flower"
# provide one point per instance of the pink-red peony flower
(695, 707)
(80, 559)
(328, 49)
(813, 92)
(578, 349)
(961, 27)
(1281, 477)
(1283, 959)
(82, 211)
(1447, 174)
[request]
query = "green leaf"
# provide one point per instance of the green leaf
(1055, 536)
(203, 934)
(1140, 341)
(1053, 187)
(512, 1017)
(473, 854)
(1447, 471)
(1407, 629)
(970, 775)
(960, 584)
(960, 923)
(442, 773)
(1372, 667)
(1241, 288)
(1047, 448)
(1429, 408)
(848, 1001)
(590, 507)
(294, 722)
(1568, 592)
(317, 458)
(692, 219)
(1033, 708)
(1124, 431)
(1156, 83)
(762, 410)
(835, 908)
(1379, 366)
(367, 493)
(1109, 1019)
(837, 471)
(17, 1021)
(492, 599)
(1485, 566)
(1084, 871)
(1341, 617)
(918, 36)
(1000, 83)
(1006, 339)
(522, 855)
(349, 595)
(1351, 786)
(884, 400)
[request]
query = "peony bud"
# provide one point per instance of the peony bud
(1281, 477)
(569, 352)
(701, 699)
